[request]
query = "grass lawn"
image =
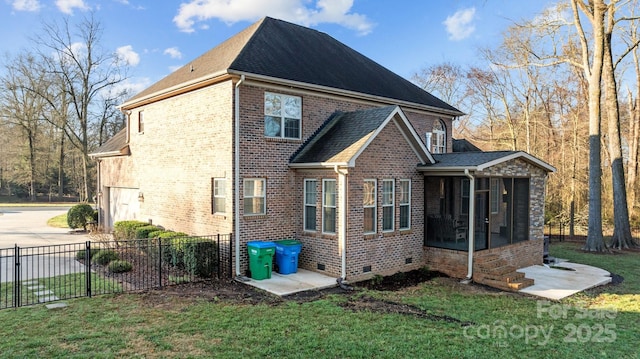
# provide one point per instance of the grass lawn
(59, 221)
(466, 321)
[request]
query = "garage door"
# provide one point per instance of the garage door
(123, 204)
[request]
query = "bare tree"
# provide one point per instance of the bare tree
(621, 230)
(85, 72)
(24, 108)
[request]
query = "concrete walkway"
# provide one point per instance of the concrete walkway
(286, 284)
(554, 283)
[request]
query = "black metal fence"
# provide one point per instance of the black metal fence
(32, 275)
(558, 232)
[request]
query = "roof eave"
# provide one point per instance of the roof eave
(176, 90)
(318, 165)
(336, 91)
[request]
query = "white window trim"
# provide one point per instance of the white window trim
(374, 206)
(324, 205)
(218, 197)
(283, 117)
(306, 205)
(392, 205)
(264, 195)
(408, 204)
(439, 138)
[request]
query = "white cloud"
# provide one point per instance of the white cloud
(67, 6)
(459, 25)
(26, 5)
(127, 54)
(173, 52)
(303, 12)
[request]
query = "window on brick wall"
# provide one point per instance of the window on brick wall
(438, 137)
(310, 201)
(254, 196)
(141, 122)
(388, 204)
(219, 202)
(404, 198)
(329, 206)
(369, 206)
(282, 116)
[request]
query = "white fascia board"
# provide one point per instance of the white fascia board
(525, 156)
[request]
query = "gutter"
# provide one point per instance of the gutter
(236, 174)
(342, 222)
(472, 214)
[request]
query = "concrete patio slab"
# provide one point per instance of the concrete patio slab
(554, 283)
(286, 284)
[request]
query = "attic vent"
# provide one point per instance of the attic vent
(191, 69)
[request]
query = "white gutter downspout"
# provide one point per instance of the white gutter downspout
(236, 180)
(342, 221)
(472, 214)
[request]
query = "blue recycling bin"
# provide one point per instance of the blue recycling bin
(287, 252)
(261, 259)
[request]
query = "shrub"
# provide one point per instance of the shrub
(79, 215)
(82, 254)
(123, 230)
(104, 257)
(119, 266)
(143, 232)
(200, 258)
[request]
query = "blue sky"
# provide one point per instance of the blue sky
(159, 36)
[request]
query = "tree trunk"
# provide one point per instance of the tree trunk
(595, 11)
(61, 167)
(621, 228)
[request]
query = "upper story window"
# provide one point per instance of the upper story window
(282, 116)
(140, 122)
(438, 137)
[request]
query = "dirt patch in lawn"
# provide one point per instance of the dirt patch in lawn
(355, 298)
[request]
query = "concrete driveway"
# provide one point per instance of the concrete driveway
(44, 251)
(27, 227)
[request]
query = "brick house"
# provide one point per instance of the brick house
(283, 132)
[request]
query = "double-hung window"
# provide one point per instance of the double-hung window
(282, 116)
(254, 196)
(369, 206)
(219, 200)
(329, 206)
(404, 197)
(310, 199)
(388, 203)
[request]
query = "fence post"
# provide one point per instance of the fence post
(16, 276)
(219, 256)
(87, 267)
(230, 254)
(160, 261)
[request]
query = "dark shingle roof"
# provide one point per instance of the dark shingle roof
(282, 50)
(342, 136)
(115, 146)
(462, 145)
(480, 160)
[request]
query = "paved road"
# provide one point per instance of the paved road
(45, 251)
(27, 226)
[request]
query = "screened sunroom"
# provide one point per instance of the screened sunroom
(484, 198)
